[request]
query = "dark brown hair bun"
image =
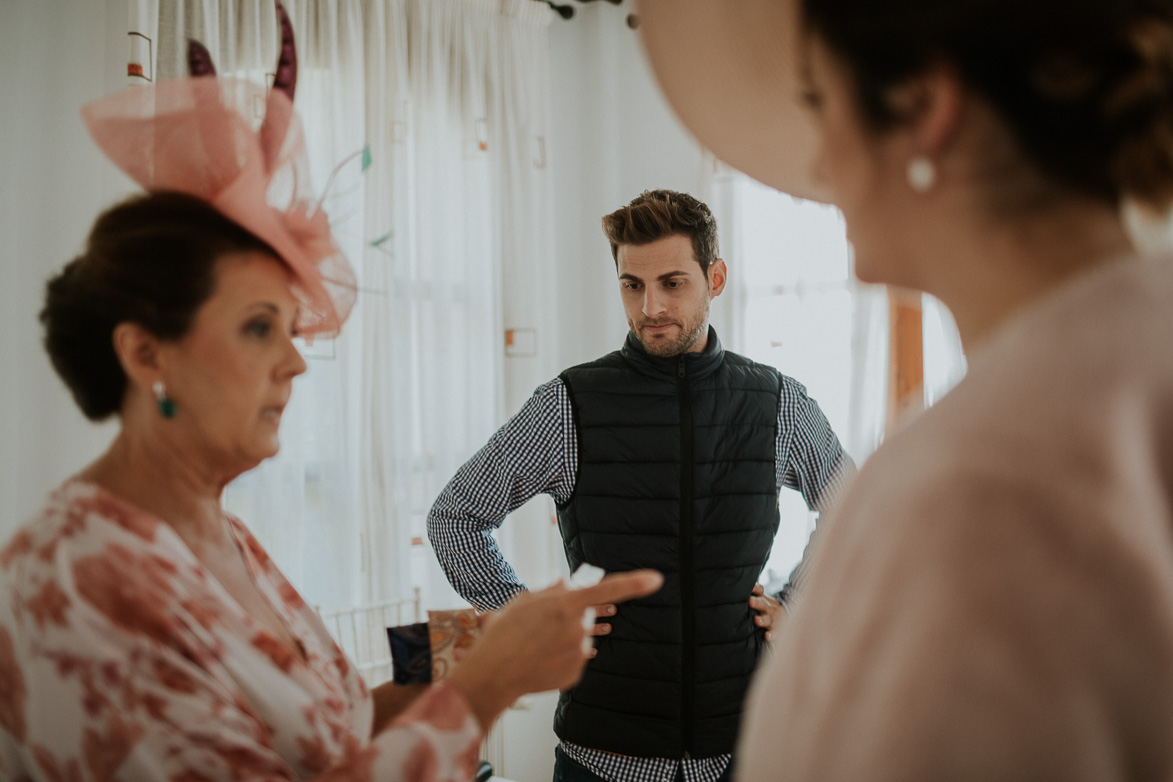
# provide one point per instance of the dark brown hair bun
(1086, 86)
(149, 260)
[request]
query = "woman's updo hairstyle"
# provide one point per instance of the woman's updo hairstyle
(149, 260)
(1086, 86)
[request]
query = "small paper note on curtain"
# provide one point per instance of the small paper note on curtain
(426, 651)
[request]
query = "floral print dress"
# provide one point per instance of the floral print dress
(121, 657)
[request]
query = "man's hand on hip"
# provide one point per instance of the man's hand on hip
(771, 613)
(601, 612)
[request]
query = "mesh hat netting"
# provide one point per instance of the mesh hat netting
(202, 136)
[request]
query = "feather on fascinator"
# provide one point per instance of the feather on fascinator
(195, 136)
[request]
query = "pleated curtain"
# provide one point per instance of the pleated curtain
(423, 117)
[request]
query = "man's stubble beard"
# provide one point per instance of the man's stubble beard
(690, 333)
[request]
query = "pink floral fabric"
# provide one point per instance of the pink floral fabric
(121, 657)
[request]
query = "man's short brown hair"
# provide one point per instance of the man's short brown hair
(658, 214)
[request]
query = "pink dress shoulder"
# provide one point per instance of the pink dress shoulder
(121, 657)
(993, 598)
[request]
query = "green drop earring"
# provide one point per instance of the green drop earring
(166, 404)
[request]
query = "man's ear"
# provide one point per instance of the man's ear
(716, 275)
(138, 352)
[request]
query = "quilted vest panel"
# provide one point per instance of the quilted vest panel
(676, 472)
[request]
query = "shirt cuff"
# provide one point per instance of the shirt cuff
(786, 595)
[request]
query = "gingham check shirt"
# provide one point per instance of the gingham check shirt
(536, 452)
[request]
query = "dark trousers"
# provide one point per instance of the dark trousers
(567, 770)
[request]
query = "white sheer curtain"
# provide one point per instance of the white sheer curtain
(423, 94)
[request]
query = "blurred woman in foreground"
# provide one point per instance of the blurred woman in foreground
(993, 599)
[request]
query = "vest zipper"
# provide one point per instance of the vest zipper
(687, 587)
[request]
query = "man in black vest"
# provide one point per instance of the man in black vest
(668, 453)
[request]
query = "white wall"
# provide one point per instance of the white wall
(54, 56)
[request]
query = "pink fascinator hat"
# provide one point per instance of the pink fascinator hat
(241, 148)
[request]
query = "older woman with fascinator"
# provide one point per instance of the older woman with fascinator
(993, 598)
(144, 633)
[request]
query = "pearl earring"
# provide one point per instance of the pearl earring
(922, 174)
(166, 404)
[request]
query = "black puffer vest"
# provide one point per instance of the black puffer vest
(676, 473)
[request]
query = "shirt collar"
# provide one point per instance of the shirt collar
(695, 364)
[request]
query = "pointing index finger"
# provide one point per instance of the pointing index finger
(619, 587)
